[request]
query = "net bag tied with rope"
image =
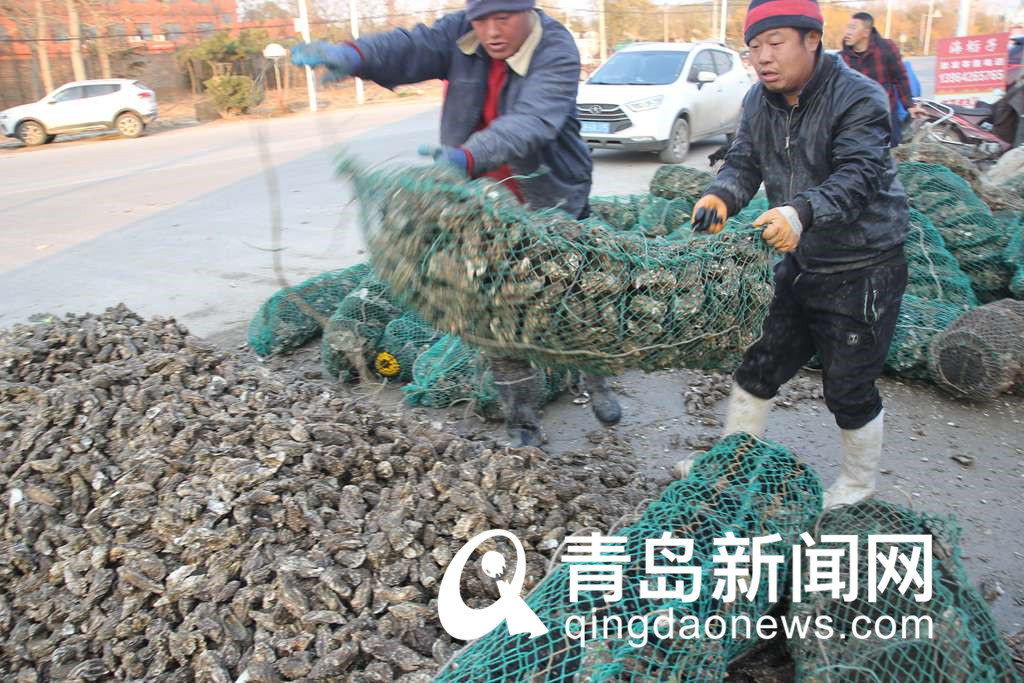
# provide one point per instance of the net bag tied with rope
(351, 340)
(964, 644)
(743, 486)
(970, 231)
(981, 355)
(470, 260)
(451, 373)
(284, 323)
(919, 322)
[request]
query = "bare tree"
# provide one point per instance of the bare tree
(43, 46)
(100, 25)
(75, 35)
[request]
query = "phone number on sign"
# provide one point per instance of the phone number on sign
(994, 75)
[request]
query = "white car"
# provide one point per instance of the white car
(120, 104)
(659, 97)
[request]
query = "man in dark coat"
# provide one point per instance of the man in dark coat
(818, 135)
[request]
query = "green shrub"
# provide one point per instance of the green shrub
(232, 95)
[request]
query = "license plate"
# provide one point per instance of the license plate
(596, 127)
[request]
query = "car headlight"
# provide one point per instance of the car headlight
(648, 104)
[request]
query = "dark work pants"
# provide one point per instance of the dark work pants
(847, 318)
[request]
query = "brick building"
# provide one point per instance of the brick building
(141, 38)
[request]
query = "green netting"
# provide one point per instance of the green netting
(920, 320)
(965, 643)
(1013, 224)
(930, 152)
(981, 355)
(451, 373)
(651, 216)
(539, 285)
(281, 325)
(352, 337)
(405, 338)
(743, 486)
(676, 181)
(933, 273)
(974, 237)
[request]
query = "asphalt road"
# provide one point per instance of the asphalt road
(179, 224)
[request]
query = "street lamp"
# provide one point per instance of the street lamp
(275, 52)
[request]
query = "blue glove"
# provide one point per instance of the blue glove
(341, 60)
(452, 156)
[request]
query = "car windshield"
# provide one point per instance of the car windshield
(641, 68)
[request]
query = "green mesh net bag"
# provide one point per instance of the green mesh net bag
(971, 233)
(676, 181)
(352, 337)
(470, 260)
(919, 322)
(965, 644)
(933, 273)
(650, 215)
(981, 355)
(282, 325)
(452, 373)
(744, 486)
(929, 152)
(404, 339)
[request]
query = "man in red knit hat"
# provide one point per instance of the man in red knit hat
(509, 112)
(817, 134)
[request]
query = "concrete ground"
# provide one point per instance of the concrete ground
(179, 223)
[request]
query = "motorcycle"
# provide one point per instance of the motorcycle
(968, 130)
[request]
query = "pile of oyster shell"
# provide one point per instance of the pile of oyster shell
(173, 512)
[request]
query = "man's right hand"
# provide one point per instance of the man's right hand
(709, 214)
(341, 60)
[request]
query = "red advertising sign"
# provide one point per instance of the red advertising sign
(971, 64)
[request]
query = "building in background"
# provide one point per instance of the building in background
(139, 37)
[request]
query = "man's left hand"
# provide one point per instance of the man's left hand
(782, 228)
(455, 157)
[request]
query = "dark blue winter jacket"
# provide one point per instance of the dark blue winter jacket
(537, 133)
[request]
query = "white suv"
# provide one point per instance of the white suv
(658, 97)
(118, 104)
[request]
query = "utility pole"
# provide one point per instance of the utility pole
(664, 21)
(928, 27)
(714, 17)
(303, 25)
(724, 20)
(963, 21)
(353, 13)
(888, 18)
(602, 30)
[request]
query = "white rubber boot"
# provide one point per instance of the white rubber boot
(747, 413)
(862, 453)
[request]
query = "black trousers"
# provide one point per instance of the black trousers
(847, 318)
